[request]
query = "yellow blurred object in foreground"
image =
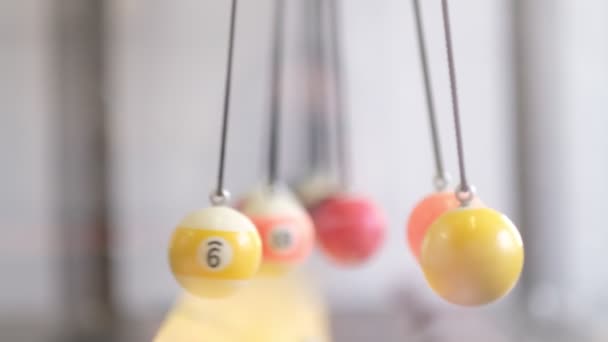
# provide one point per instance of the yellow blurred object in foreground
(266, 310)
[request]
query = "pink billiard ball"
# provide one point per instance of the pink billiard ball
(350, 229)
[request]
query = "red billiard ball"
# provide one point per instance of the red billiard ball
(350, 229)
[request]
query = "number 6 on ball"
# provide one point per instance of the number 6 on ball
(214, 250)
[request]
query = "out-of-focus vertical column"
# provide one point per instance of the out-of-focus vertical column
(82, 165)
(544, 151)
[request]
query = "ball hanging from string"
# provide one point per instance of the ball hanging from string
(213, 251)
(470, 256)
(283, 224)
(350, 228)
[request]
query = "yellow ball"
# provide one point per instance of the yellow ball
(213, 251)
(472, 256)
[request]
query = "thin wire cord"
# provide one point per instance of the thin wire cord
(276, 93)
(463, 188)
(440, 176)
(317, 88)
(220, 195)
(342, 137)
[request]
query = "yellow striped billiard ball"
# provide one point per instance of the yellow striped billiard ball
(214, 250)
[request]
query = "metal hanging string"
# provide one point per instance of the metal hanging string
(220, 195)
(276, 93)
(342, 136)
(441, 178)
(464, 192)
(317, 89)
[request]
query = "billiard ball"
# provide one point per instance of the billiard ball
(214, 250)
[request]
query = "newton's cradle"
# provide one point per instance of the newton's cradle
(470, 254)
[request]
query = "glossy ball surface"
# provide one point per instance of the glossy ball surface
(426, 212)
(472, 256)
(350, 229)
(284, 226)
(213, 251)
